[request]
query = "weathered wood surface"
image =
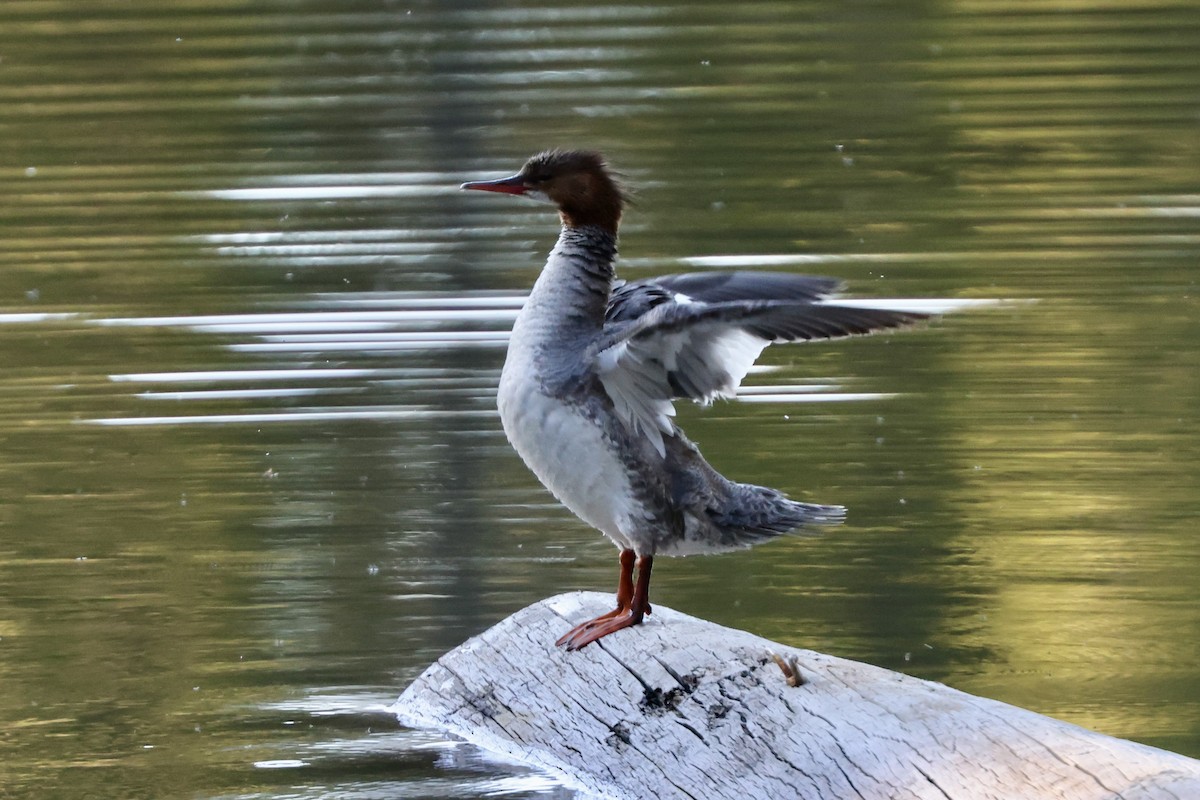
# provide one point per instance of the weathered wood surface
(683, 708)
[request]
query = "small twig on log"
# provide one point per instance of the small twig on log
(790, 668)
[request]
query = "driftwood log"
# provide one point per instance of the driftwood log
(683, 708)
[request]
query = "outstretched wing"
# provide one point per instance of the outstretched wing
(632, 299)
(696, 336)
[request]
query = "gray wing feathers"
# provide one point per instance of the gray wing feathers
(685, 342)
(721, 287)
(631, 300)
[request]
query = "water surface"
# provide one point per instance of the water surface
(253, 481)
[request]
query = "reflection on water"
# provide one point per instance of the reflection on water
(253, 480)
(343, 393)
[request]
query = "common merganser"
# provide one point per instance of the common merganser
(594, 364)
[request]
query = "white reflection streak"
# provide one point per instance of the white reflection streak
(285, 416)
(360, 346)
(392, 337)
(241, 394)
(729, 262)
(787, 388)
(8, 319)
(321, 192)
(755, 260)
(328, 318)
(340, 186)
(831, 397)
(216, 376)
(400, 300)
(919, 305)
(272, 327)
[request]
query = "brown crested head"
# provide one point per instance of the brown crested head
(576, 181)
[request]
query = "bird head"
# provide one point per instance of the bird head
(577, 182)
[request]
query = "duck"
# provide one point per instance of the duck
(595, 366)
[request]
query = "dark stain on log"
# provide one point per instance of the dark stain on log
(484, 702)
(656, 701)
(716, 713)
(619, 738)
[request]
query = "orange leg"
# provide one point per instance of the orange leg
(624, 597)
(633, 603)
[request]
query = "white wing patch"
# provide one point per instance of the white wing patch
(736, 351)
(642, 374)
(639, 391)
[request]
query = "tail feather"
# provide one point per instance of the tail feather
(757, 513)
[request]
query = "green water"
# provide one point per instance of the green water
(251, 479)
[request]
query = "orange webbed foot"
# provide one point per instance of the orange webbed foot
(633, 603)
(582, 635)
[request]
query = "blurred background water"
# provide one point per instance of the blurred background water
(252, 482)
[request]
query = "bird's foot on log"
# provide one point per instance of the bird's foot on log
(584, 627)
(588, 632)
(633, 603)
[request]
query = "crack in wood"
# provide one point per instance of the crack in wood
(686, 682)
(688, 727)
(932, 782)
